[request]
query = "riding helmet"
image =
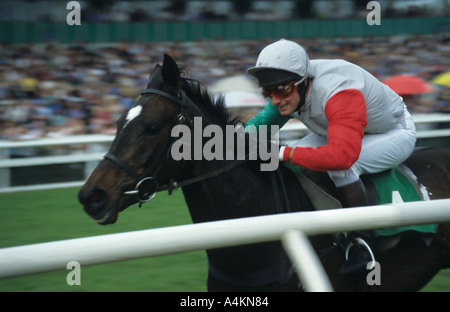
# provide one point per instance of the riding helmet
(280, 62)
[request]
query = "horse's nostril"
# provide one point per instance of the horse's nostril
(92, 198)
(97, 196)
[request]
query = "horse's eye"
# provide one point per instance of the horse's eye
(153, 128)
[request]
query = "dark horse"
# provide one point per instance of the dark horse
(225, 189)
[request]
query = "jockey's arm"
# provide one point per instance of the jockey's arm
(269, 115)
(347, 117)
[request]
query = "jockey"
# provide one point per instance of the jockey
(358, 125)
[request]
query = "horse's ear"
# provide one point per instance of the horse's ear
(154, 76)
(170, 72)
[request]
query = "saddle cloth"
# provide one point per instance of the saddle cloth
(381, 188)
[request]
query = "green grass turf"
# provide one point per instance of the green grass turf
(41, 216)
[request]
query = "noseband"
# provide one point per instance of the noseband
(144, 180)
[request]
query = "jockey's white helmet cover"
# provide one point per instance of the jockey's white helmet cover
(283, 55)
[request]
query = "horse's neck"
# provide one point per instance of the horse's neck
(242, 192)
(232, 194)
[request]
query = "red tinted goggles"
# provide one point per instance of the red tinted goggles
(280, 91)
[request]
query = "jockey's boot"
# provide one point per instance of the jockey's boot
(353, 195)
(358, 252)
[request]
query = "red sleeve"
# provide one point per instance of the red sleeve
(347, 116)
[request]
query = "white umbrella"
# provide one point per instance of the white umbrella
(234, 83)
(238, 99)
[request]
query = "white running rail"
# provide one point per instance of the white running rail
(43, 257)
(91, 156)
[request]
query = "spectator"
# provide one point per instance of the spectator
(80, 89)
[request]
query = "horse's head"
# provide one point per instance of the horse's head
(138, 160)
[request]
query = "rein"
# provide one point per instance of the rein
(145, 181)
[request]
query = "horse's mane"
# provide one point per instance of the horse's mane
(213, 107)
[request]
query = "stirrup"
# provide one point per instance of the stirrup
(362, 242)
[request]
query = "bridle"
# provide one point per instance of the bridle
(145, 180)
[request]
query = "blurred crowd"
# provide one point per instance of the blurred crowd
(206, 10)
(181, 10)
(50, 90)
